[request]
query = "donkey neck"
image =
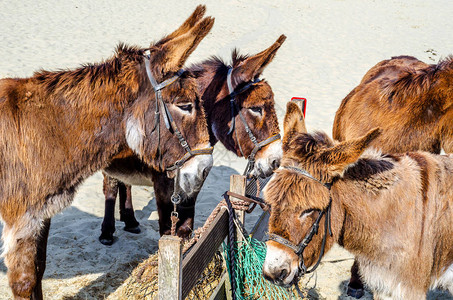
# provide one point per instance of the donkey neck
(89, 104)
(363, 195)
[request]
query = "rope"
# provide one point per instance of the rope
(231, 244)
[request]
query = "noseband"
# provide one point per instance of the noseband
(235, 108)
(173, 128)
(299, 249)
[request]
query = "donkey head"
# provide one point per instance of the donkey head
(240, 108)
(297, 200)
(167, 122)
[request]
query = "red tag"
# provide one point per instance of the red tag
(304, 103)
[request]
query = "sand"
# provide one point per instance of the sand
(330, 46)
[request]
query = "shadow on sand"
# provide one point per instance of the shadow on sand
(74, 250)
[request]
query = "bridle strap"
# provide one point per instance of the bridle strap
(258, 147)
(188, 155)
(168, 119)
(173, 128)
(299, 249)
(234, 108)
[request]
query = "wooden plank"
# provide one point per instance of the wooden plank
(170, 267)
(238, 184)
(261, 226)
(202, 253)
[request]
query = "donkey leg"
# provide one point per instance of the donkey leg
(108, 224)
(25, 248)
(186, 215)
(163, 189)
(40, 263)
(184, 227)
(355, 285)
(126, 209)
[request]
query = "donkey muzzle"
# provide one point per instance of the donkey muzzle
(193, 173)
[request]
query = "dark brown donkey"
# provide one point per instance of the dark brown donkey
(393, 212)
(413, 104)
(58, 128)
(254, 100)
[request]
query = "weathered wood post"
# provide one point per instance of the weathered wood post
(238, 184)
(170, 268)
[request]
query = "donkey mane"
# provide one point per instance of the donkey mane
(93, 74)
(310, 142)
(367, 167)
(372, 162)
(415, 82)
(216, 63)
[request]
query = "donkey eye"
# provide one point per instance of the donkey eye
(185, 107)
(306, 212)
(256, 110)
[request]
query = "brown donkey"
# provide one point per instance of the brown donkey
(392, 212)
(255, 101)
(412, 102)
(58, 128)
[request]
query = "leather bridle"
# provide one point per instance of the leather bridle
(170, 124)
(168, 120)
(299, 249)
(236, 109)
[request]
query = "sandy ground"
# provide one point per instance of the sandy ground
(330, 46)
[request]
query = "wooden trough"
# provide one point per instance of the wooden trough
(178, 275)
(181, 265)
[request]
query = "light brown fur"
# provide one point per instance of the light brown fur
(412, 102)
(58, 128)
(393, 212)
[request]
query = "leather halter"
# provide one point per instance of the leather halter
(235, 108)
(168, 120)
(173, 128)
(299, 249)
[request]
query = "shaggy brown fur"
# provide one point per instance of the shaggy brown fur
(412, 103)
(410, 100)
(211, 78)
(392, 212)
(58, 128)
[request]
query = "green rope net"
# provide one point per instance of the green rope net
(250, 254)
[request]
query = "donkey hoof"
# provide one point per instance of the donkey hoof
(107, 241)
(355, 292)
(135, 229)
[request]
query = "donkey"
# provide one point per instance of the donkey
(228, 122)
(58, 128)
(411, 102)
(392, 211)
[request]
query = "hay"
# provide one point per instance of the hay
(142, 283)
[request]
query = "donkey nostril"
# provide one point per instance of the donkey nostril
(267, 277)
(275, 163)
(206, 172)
(283, 274)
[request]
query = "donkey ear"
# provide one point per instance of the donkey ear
(176, 50)
(253, 66)
(293, 123)
(339, 157)
(194, 18)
